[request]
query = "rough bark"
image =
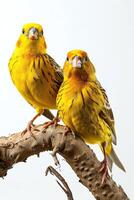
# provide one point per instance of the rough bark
(17, 148)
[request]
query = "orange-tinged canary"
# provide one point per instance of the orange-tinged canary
(34, 73)
(84, 108)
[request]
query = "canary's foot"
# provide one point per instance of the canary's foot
(53, 122)
(30, 126)
(104, 169)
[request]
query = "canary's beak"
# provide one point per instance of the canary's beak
(33, 34)
(76, 62)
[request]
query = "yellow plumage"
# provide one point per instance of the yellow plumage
(35, 74)
(83, 104)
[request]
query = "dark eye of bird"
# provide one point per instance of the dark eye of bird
(23, 31)
(86, 58)
(41, 32)
(67, 59)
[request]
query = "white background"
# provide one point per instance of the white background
(105, 29)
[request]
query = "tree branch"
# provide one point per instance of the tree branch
(64, 186)
(17, 148)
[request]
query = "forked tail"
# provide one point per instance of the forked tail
(113, 158)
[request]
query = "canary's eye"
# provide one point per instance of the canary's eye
(41, 33)
(67, 59)
(86, 58)
(23, 31)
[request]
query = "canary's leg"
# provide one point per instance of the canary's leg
(52, 122)
(104, 164)
(30, 124)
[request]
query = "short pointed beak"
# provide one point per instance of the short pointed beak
(33, 34)
(76, 62)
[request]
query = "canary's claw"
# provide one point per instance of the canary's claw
(104, 170)
(53, 122)
(30, 126)
(28, 129)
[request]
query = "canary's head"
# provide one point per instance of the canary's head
(78, 66)
(32, 38)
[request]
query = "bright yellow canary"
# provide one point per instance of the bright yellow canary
(84, 108)
(34, 73)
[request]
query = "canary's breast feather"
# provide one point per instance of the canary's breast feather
(31, 79)
(80, 112)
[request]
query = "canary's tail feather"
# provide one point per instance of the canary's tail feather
(47, 113)
(112, 157)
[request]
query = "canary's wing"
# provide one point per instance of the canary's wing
(58, 80)
(106, 113)
(58, 70)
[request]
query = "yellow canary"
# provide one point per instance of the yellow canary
(84, 108)
(34, 73)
